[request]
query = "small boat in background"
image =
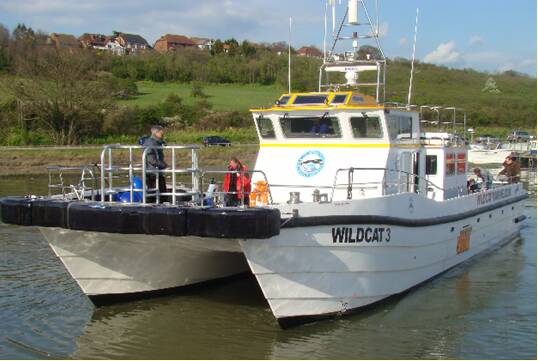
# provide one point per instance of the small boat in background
(485, 153)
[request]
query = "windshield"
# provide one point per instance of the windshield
(310, 127)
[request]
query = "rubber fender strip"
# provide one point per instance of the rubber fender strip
(67, 218)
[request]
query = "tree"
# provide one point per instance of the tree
(4, 36)
(366, 51)
(247, 49)
(232, 45)
(59, 89)
(217, 48)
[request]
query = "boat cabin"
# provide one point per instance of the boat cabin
(339, 145)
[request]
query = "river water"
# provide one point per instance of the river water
(484, 308)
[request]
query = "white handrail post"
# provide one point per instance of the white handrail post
(173, 176)
(131, 195)
(103, 190)
(110, 174)
(194, 165)
(144, 185)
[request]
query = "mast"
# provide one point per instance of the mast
(356, 17)
(412, 63)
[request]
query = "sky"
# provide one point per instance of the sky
(490, 35)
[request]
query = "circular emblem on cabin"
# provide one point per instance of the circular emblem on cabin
(310, 163)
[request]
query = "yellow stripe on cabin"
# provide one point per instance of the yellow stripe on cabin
(337, 145)
(325, 145)
(315, 107)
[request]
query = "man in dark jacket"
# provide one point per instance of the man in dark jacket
(511, 169)
(155, 158)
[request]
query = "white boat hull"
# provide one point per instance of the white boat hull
(108, 264)
(482, 156)
(306, 272)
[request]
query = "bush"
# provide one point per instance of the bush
(222, 120)
(16, 137)
(124, 120)
(197, 91)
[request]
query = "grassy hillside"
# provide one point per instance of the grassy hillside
(514, 105)
(223, 97)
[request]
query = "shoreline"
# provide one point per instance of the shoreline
(25, 160)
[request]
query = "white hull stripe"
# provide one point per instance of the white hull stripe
(396, 221)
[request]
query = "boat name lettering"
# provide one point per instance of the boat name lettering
(493, 196)
(360, 234)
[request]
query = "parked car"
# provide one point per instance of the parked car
(519, 136)
(486, 138)
(215, 140)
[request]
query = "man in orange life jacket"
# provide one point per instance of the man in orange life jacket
(237, 182)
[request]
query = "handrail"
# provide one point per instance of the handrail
(242, 174)
(82, 181)
(194, 171)
(107, 170)
(352, 169)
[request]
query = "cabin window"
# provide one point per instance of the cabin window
(450, 164)
(400, 127)
(357, 99)
(431, 164)
(310, 99)
(310, 127)
(265, 127)
(366, 127)
(284, 100)
(339, 99)
(460, 168)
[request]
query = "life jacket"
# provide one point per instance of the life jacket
(240, 179)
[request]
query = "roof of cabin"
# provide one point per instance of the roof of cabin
(322, 100)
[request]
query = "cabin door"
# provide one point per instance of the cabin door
(406, 169)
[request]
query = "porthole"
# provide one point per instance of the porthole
(452, 229)
(490, 215)
(478, 220)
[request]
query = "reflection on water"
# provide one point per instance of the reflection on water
(485, 308)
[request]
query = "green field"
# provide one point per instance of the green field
(225, 97)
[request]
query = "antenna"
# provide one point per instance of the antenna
(412, 63)
(289, 60)
(325, 33)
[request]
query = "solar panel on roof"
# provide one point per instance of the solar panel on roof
(310, 99)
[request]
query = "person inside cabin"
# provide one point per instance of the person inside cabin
(155, 158)
(485, 176)
(237, 183)
(511, 170)
(320, 126)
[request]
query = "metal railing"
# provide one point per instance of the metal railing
(241, 174)
(80, 190)
(194, 171)
(109, 172)
(411, 184)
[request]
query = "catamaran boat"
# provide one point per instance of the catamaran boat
(353, 201)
